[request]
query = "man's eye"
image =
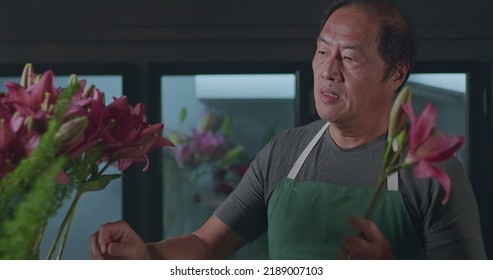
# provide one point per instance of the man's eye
(348, 58)
(322, 52)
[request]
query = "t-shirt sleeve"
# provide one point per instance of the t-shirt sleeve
(245, 210)
(452, 231)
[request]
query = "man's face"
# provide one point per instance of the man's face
(348, 70)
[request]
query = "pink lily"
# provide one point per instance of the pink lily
(427, 147)
(210, 147)
(127, 137)
(38, 99)
(12, 149)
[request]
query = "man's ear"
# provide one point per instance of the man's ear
(400, 73)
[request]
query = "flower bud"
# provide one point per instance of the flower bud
(210, 121)
(73, 80)
(71, 131)
(398, 117)
(26, 78)
(89, 91)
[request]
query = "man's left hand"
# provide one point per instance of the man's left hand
(371, 244)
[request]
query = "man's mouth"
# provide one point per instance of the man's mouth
(328, 96)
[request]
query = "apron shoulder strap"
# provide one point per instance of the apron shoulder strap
(393, 179)
(301, 159)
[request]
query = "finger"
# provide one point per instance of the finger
(372, 243)
(345, 254)
(356, 245)
(109, 232)
(95, 250)
(367, 228)
(118, 250)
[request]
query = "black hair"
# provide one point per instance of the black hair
(397, 42)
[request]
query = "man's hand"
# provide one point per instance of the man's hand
(370, 245)
(117, 241)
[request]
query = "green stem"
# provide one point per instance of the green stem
(381, 181)
(67, 220)
(388, 148)
(39, 238)
(37, 243)
(386, 171)
(395, 168)
(395, 157)
(108, 163)
(375, 196)
(67, 228)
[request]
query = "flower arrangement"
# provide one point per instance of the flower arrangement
(57, 141)
(423, 145)
(203, 155)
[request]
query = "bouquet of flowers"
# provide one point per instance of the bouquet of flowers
(57, 141)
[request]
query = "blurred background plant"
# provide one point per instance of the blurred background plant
(204, 167)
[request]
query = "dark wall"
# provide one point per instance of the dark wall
(145, 31)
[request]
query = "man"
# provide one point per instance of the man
(304, 186)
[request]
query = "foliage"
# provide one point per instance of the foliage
(57, 141)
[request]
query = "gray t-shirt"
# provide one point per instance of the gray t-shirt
(450, 231)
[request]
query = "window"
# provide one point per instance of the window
(252, 106)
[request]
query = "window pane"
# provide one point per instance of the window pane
(255, 107)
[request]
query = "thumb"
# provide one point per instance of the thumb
(116, 249)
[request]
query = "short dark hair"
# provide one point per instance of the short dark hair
(397, 42)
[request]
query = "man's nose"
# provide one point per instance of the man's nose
(332, 69)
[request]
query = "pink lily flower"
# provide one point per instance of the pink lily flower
(12, 149)
(38, 99)
(33, 104)
(210, 147)
(127, 137)
(427, 147)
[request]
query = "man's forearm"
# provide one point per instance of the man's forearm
(185, 247)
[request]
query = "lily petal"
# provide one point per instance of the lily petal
(441, 147)
(425, 170)
(425, 125)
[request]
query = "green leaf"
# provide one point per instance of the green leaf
(183, 114)
(227, 125)
(98, 184)
(232, 155)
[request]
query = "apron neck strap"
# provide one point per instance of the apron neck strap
(392, 180)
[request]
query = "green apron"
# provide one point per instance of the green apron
(308, 220)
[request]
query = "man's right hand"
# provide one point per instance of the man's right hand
(117, 241)
(213, 240)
